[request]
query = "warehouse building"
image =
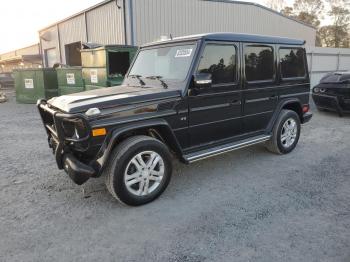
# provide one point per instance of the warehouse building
(135, 22)
(27, 57)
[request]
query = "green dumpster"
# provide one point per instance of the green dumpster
(70, 80)
(33, 84)
(106, 65)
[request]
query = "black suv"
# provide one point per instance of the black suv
(192, 97)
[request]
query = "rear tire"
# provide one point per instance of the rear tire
(285, 134)
(139, 170)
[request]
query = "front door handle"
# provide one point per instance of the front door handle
(236, 102)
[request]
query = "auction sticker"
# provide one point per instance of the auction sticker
(183, 52)
(70, 79)
(29, 83)
(93, 76)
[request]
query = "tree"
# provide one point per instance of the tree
(326, 33)
(288, 11)
(307, 11)
(275, 4)
(337, 35)
(311, 7)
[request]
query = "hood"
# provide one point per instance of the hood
(337, 77)
(110, 97)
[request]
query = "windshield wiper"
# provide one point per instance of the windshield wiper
(138, 77)
(159, 78)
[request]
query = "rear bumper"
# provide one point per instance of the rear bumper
(307, 117)
(338, 104)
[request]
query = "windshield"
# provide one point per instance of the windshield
(167, 63)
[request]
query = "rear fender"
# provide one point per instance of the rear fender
(283, 104)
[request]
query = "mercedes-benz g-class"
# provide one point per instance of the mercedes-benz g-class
(191, 97)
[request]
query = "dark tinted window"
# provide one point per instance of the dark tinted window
(258, 63)
(292, 62)
(220, 61)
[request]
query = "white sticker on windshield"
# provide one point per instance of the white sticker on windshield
(183, 52)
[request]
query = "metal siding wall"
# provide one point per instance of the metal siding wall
(8, 55)
(72, 31)
(30, 50)
(153, 18)
(325, 60)
(52, 43)
(106, 24)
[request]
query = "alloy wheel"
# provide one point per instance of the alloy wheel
(289, 132)
(144, 173)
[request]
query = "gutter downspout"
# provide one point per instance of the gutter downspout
(129, 22)
(59, 42)
(86, 28)
(124, 21)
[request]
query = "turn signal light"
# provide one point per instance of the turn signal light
(99, 132)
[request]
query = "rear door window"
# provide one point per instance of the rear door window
(292, 61)
(259, 63)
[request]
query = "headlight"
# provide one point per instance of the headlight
(316, 90)
(74, 128)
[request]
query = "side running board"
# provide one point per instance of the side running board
(205, 153)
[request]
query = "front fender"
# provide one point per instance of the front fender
(111, 140)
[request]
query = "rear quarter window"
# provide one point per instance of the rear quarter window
(292, 61)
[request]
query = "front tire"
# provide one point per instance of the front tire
(285, 134)
(139, 170)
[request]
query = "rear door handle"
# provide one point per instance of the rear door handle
(273, 97)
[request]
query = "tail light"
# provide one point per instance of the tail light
(306, 108)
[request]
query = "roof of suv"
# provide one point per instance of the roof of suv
(249, 38)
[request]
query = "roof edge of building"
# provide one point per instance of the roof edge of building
(18, 49)
(76, 14)
(225, 1)
(263, 7)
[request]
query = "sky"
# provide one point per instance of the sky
(20, 20)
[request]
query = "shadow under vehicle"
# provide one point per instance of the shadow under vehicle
(191, 97)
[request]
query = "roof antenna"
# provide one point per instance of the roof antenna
(171, 37)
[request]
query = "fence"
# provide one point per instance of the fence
(325, 60)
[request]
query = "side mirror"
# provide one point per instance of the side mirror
(202, 80)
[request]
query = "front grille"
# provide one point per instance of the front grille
(48, 119)
(324, 101)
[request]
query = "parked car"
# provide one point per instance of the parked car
(333, 93)
(192, 97)
(6, 80)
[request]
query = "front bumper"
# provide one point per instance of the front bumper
(338, 104)
(52, 119)
(77, 171)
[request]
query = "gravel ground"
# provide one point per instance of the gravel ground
(248, 205)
